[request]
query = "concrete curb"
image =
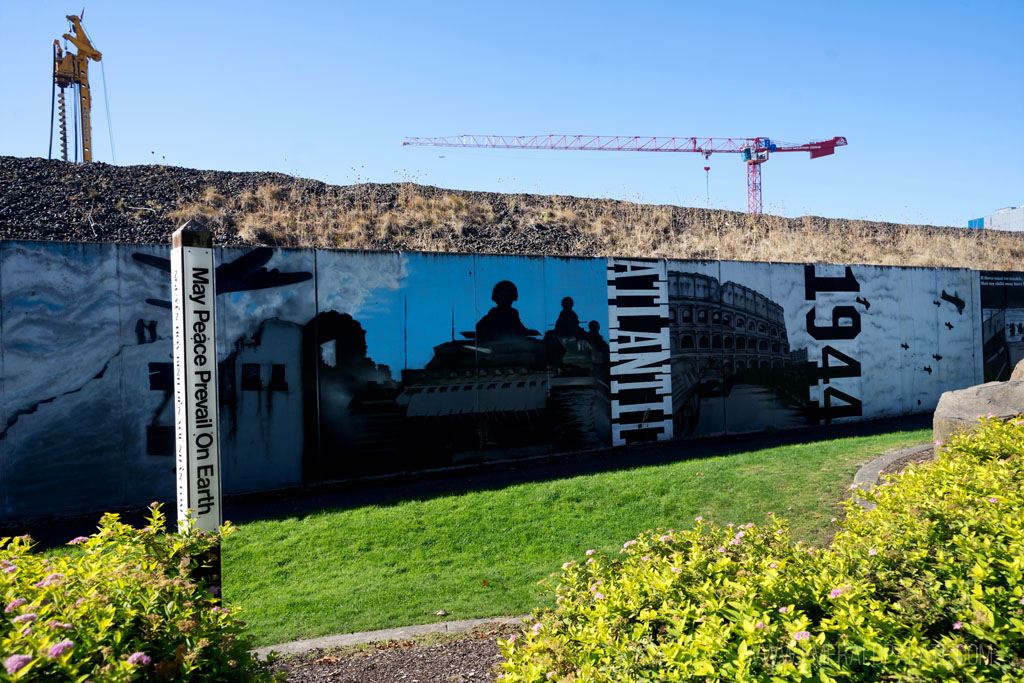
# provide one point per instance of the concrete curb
(867, 475)
(399, 633)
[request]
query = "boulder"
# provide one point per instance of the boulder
(958, 410)
(1018, 372)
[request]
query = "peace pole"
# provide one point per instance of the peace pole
(196, 437)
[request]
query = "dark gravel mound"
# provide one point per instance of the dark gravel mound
(60, 201)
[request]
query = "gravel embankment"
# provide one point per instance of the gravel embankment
(58, 201)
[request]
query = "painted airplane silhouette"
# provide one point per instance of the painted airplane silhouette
(927, 369)
(955, 300)
(949, 325)
(937, 303)
(905, 347)
(246, 273)
(863, 302)
(936, 356)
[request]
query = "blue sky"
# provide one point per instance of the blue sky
(929, 94)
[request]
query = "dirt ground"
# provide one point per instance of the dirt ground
(472, 656)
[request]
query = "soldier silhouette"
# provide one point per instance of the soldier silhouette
(568, 323)
(502, 322)
(594, 337)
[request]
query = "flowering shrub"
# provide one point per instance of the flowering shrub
(929, 586)
(126, 606)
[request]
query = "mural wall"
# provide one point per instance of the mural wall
(1002, 310)
(345, 364)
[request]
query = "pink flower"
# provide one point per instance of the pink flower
(142, 659)
(722, 549)
(10, 570)
(645, 558)
(938, 442)
(759, 624)
(835, 592)
(730, 525)
(698, 519)
(590, 560)
(677, 570)
(537, 628)
(666, 539)
(16, 663)
(77, 539)
(741, 534)
(774, 565)
(734, 541)
(802, 635)
(60, 648)
(783, 610)
(511, 639)
(599, 596)
(993, 499)
(628, 543)
(49, 581)
(750, 525)
(591, 552)
(14, 604)
(872, 552)
(25, 618)
(957, 625)
(566, 565)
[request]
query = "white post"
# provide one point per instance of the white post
(197, 442)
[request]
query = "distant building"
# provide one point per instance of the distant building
(1010, 218)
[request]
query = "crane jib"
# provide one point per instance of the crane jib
(754, 151)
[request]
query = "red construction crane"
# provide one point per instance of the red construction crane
(754, 151)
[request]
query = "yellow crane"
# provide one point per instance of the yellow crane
(71, 69)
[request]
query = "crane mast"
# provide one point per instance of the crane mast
(69, 70)
(754, 151)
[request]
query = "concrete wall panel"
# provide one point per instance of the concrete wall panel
(147, 391)
(702, 366)
(62, 377)
(358, 354)
(265, 300)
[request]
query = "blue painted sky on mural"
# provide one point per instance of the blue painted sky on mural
(929, 95)
(406, 323)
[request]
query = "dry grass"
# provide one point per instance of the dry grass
(414, 217)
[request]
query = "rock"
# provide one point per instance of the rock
(958, 410)
(1018, 372)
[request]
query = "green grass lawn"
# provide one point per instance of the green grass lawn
(482, 553)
